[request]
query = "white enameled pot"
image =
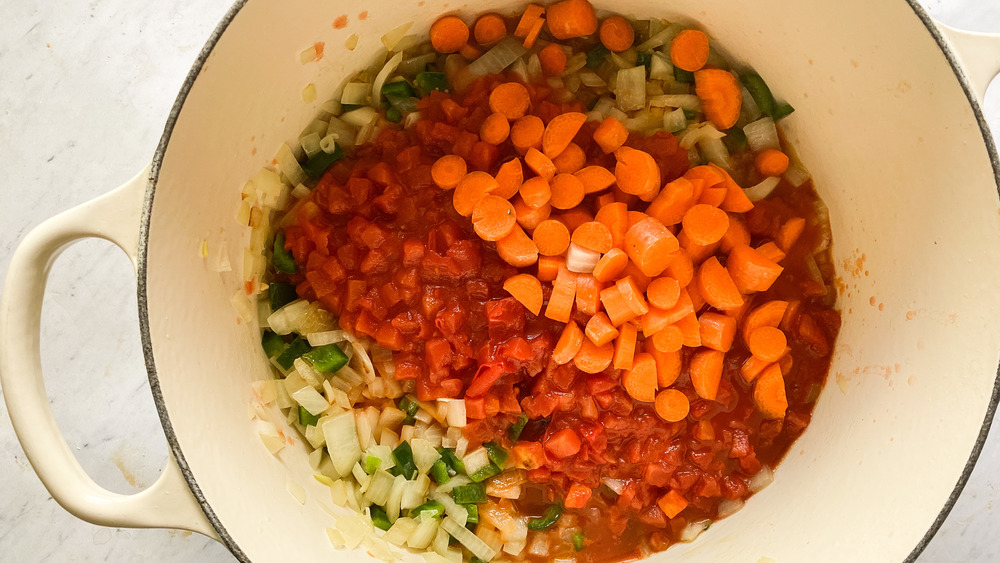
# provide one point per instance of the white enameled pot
(889, 123)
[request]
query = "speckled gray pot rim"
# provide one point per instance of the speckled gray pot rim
(147, 346)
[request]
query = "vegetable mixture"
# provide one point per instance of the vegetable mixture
(547, 286)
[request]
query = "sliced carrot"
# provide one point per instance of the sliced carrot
(593, 235)
(711, 176)
(449, 34)
(625, 346)
(767, 314)
(616, 34)
(595, 178)
(495, 129)
(717, 331)
(697, 252)
(640, 381)
(599, 330)
(568, 344)
(672, 405)
(771, 162)
(470, 52)
(509, 177)
(736, 234)
(569, 19)
(526, 133)
(533, 33)
(672, 503)
(691, 330)
(570, 160)
(663, 292)
(563, 295)
(575, 217)
(750, 270)
(540, 163)
(697, 301)
(588, 294)
(633, 296)
(680, 267)
(551, 237)
(769, 392)
(673, 202)
(767, 343)
(713, 196)
(510, 99)
(670, 339)
(641, 280)
(489, 29)
(527, 290)
(705, 224)
(736, 199)
(720, 96)
(611, 265)
(706, 373)
(704, 431)
(472, 188)
(658, 319)
(616, 217)
(530, 217)
(567, 191)
(493, 218)
(717, 287)
(752, 367)
(786, 362)
(610, 135)
(637, 173)
(771, 251)
(593, 358)
(790, 232)
(649, 244)
(560, 131)
(616, 306)
(448, 171)
(553, 59)
(531, 15)
(689, 50)
(668, 364)
(536, 192)
(517, 249)
(548, 267)
(636, 216)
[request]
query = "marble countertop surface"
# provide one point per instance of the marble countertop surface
(85, 88)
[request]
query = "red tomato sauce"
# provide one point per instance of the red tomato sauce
(382, 248)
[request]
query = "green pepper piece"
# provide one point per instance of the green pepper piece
(326, 359)
(475, 559)
(347, 108)
(319, 162)
(439, 472)
(428, 81)
(550, 517)
(272, 343)
(644, 59)
(430, 506)
(282, 259)
(735, 139)
(372, 464)
(497, 454)
(473, 513)
(296, 349)
(379, 518)
(393, 115)
(306, 418)
(578, 539)
(473, 493)
(453, 461)
(759, 91)
(485, 473)
(782, 112)
(685, 76)
(596, 56)
(689, 115)
(410, 408)
(403, 455)
(398, 89)
(514, 432)
(281, 294)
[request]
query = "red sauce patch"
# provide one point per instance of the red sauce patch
(340, 22)
(318, 47)
(363, 15)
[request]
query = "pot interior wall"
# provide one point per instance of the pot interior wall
(896, 153)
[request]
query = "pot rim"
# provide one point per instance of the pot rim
(147, 346)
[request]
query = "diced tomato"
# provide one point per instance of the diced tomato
(578, 496)
(564, 443)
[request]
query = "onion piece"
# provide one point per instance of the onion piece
(342, 441)
(762, 135)
(630, 88)
(698, 131)
(761, 479)
(715, 151)
(689, 102)
(356, 93)
(729, 507)
(394, 36)
(390, 66)
(476, 546)
(693, 530)
(581, 260)
(502, 55)
(763, 189)
(674, 121)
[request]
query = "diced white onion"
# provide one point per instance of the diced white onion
(311, 400)
(400, 531)
(674, 121)
(390, 66)
(630, 88)
(581, 260)
(422, 537)
(451, 508)
(763, 189)
(354, 528)
(664, 37)
(342, 441)
(414, 65)
(456, 416)
(696, 132)
(379, 487)
(476, 460)
(714, 150)
(471, 542)
(693, 530)
(616, 485)
(361, 117)
(660, 68)
(689, 102)
(394, 36)
(424, 454)
(729, 507)
(498, 58)
(289, 165)
(762, 479)
(392, 506)
(762, 135)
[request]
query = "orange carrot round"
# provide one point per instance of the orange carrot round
(509, 178)
(689, 50)
(771, 162)
(448, 171)
(649, 244)
(568, 345)
(616, 216)
(560, 131)
(527, 290)
(636, 172)
(595, 178)
(768, 314)
(567, 191)
(736, 234)
(668, 364)
(571, 18)
(528, 20)
(539, 163)
(717, 331)
(717, 287)
(536, 192)
(593, 235)
(548, 267)
(593, 358)
(517, 249)
(599, 330)
(720, 96)
(495, 129)
(769, 392)
(663, 292)
(790, 232)
(705, 224)
(472, 188)
(669, 339)
(750, 270)
(570, 160)
(489, 29)
(767, 343)
(449, 34)
(672, 405)
(640, 381)
(680, 267)
(553, 59)
(530, 217)
(610, 135)
(510, 99)
(706, 373)
(611, 265)
(527, 133)
(616, 33)
(493, 218)
(551, 237)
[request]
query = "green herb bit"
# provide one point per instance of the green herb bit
(432, 506)
(759, 91)
(428, 81)
(497, 454)
(596, 56)
(514, 432)
(306, 418)
(281, 294)
(550, 517)
(282, 259)
(403, 455)
(685, 76)
(272, 343)
(326, 359)
(578, 538)
(473, 493)
(319, 162)
(295, 350)
(485, 473)
(439, 472)
(379, 518)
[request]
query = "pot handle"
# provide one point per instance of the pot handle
(168, 503)
(979, 54)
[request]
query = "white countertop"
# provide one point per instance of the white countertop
(85, 88)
